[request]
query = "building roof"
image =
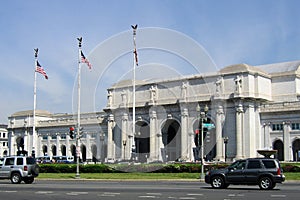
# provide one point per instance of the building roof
(291, 66)
(30, 113)
(241, 68)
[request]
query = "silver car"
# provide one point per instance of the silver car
(19, 168)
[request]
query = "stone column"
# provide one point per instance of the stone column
(98, 145)
(124, 139)
(239, 131)
(49, 150)
(287, 141)
(38, 151)
(110, 142)
(68, 148)
(219, 140)
(154, 150)
(12, 144)
(266, 136)
(88, 147)
(26, 141)
(184, 135)
(58, 149)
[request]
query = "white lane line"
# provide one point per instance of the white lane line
(9, 191)
(154, 194)
(44, 192)
(278, 195)
(149, 197)
(76, 193)
(195, 194)
(187, 198)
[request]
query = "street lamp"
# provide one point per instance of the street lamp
(225, 142)
(203, 115)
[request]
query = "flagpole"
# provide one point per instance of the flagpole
(133, 85)
(78, 109)
(34, 106)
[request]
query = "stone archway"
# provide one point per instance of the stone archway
(171, 138)
(278, 145)
(83, 152)
(63, 150)
(142, 141)
(53, 149)
(296, 150)
(73, 151)
(45, 150)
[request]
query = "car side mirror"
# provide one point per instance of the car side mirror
(230, 168)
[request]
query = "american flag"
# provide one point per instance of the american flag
(85, 60)
(40, 69)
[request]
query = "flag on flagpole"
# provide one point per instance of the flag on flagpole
(40, 69)
(136, 57)
(85, 60)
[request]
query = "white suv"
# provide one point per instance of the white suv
(19, 168)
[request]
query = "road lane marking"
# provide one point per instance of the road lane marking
(278, 195)
(44, 192)
(150, 197)
(195, 194)
(76, 193)
(153, 193)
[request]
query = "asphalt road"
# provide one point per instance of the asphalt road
(141, 190)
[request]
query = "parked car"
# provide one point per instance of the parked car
(264, 172)
(19, 168)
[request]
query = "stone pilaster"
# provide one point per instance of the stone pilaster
(239, 131)
(287, 141)
(110, 142)
(124, 139)
(154, 150)
(184, 134)
(219, 140)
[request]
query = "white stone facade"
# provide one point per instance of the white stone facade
(3, 141)
(254, 107)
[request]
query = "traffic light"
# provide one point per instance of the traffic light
(72, 132)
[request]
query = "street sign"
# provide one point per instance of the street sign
(208, 126)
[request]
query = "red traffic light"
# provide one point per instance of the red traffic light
(72, 129)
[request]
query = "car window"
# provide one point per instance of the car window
(239, 165)
(30, 161)
(1, 161)
(254, 164)
(269, 164)
(19, 161)
(9, 161)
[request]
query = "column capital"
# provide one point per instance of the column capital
(153, 114)
(184, 112)
(111, 118)
(125, 117)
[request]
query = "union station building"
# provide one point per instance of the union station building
(239, 110)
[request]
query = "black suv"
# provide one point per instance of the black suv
(265, 172)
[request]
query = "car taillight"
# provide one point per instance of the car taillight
(278, 171)
(25, 168)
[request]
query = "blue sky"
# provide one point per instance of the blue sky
(255, 32)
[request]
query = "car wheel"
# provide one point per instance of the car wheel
(218, 182)
(16, 178)
(28, 180)
(265, 183)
